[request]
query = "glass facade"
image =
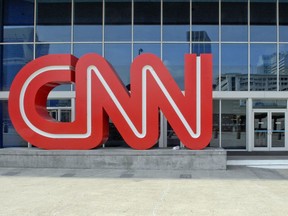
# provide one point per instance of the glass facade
(233, 124)
(248, 40)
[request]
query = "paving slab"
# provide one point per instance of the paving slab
(239, 190)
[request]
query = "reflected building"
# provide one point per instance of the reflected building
(18, 34)
(17, 55)
(199, 48)
(283, 71)
(265, 78)
(248, 41)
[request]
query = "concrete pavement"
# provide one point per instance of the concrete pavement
(239, 190)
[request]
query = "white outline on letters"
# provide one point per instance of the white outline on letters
(92, 68)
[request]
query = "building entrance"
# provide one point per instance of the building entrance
(269, 130)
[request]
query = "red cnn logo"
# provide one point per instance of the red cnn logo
(100, 94)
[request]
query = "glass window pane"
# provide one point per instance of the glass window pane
(3, 124)
(176, 20)
(263, 67)
(88, 20)
(260, 129)
(263, 20)
(234, 20)
(266, 104)
(18, 21)
(205, 20)
(14, 58)
(215, 134)
(172, 138)
(118, 21)
(52, 24)
(82, 49)
(119, 56)
(234, 67)
(283, 67)
(1, 69)
(115, 139)
(283, 20)
(146, 48)
(45, 49)
(173, 58)
(147, 20)
(8, 135)
(278, 130)
(199, 48)
(233, 120)
(59, 103)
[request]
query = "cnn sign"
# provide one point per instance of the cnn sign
(101, 95)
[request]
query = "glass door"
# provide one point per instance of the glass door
(269, 130)
(60, 114)
(277, 130)
(260, 130)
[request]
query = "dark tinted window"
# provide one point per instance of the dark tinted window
(147, 21)
(205, 18)
(54, 21)
(88, 20)
(118, 21)
(263, 21)
(283, 20)
(176, 20)
(18, 21)
(234, 20)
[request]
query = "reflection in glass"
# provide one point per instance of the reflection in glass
(53, 24)
(233, 124)
(14, 58)
(60, 110)
(65, 115)
(263, 20)
(2, 126)
(263, 67)
(59, 103)
(283, 67)
(119, 56)
(204, 26)
(8, 137)
(215, 134)
(82, 49)
(283, 20)
(115, 139)
(234, 20)
(261, 129)
(45, 49)
(269, 104)
(172, 138)
(147, 20)
(146, 48)
(199, 48)
(234, 67)
(18, 21)
(118, 21)
(278, 130)
(173, 59)
(61, 115)
(175, 23)
(88, 20)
